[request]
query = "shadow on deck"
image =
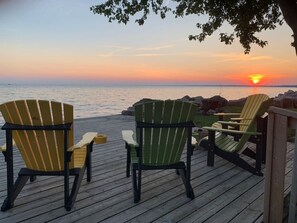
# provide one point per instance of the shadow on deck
(224, 193)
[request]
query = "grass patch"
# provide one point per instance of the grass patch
(233, 109)
(207, 120)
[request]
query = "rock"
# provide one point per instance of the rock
(186, 98)
(294, 102)
(198, 100)
(286, 100)
(129, 111)
(211, 111)
(288, 103)
(277, 103)
(213, 103)
(238, 102)
(144, 100)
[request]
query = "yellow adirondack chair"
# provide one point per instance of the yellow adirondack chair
(228, 139)
(245, 117)
(43, 133)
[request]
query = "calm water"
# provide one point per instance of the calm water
(91, 101)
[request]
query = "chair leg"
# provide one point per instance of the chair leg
(206, 144)
(19, 184)
(244, 165)
(75, 188)
(136, 184)
(210, 157)
(259, 153)
(89, 162)
(189, 189)
(235, 159)
(128, 164)
(32, 178)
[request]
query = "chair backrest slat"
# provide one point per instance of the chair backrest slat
(40, 135)
(156, 133)
(58, 135)
(55, 150)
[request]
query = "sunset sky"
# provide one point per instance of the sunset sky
(62, 41)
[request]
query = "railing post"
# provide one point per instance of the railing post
(292, 206)
(275, 167)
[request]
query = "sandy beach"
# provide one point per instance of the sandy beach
(111, 125)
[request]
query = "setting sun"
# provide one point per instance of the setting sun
(256, 78)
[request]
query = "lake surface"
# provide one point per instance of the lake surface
(92, 101)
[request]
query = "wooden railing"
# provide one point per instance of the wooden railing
(279, 121)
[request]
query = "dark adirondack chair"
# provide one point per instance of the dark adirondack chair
(43, 133)
(163, 128)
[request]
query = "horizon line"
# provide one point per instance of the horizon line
(143, 84)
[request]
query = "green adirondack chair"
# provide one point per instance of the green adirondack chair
(43, 133)
(163, 128)
(228, 139)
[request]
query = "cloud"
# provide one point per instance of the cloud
(112, 50)
(151, 54)
(155, 48)
(239, 57)
(128, 51)
(261, 58)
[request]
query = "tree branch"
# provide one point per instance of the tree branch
(289, 10)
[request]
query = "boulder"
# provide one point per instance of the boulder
(288, 103)
(185, 98)
(198, 100)
(286, 100)
(129, 111)
(213, 103)
(143, 101)
(238, 102)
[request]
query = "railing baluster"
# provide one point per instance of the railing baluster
(292, 207)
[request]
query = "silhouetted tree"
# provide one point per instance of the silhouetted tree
(247, 17)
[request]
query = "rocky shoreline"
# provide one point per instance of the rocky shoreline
(216, 103)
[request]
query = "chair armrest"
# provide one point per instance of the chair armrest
(194, 141)
(227, 114)
(87, 139)
(3, 147)
(240, 119)
(232, 123)
(230, 131)
(128, 137)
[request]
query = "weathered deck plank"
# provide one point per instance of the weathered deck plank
(224, 193)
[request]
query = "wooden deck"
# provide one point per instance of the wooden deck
(224, 193)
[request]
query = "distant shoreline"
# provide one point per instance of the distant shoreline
(141, 85)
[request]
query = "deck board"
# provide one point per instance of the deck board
(224, 193)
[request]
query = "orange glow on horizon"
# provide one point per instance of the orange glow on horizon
(256, 78)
